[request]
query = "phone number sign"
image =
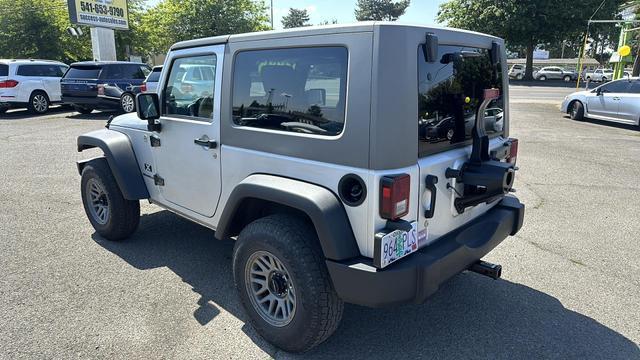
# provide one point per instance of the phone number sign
(112, 14)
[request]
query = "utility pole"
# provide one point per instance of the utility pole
(272, 28)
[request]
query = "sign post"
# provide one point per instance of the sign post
(103, 16)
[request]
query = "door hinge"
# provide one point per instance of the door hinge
(154, 141)
(158, 180)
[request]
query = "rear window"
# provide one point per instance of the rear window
(154, 76)
(450, 93)
(126, 71)
(296, 90)
(52, 70)
(83, 72)
(4, 70)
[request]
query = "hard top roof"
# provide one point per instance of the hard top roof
(30, 61)
(98, 63)
(303, 31)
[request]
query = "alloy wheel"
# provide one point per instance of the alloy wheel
(40, 103)
(128, 104)
(98, 201)
(270, 288)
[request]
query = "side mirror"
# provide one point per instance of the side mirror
(317, 96)
(430, 48)
(147, 107)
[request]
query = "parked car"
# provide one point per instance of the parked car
(103, 85)
(555, 73)
(517, 71)
(617, 101)
(322, 210)
(438, 129)
(31, 84)
(599, 75)
(150, 84)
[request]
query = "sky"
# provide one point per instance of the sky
(419, 12)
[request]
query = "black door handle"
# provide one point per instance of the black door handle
(204, 141)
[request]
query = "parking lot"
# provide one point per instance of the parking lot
(570, 285)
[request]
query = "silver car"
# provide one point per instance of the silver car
(555, 73)
(151, 82)
(617, 101)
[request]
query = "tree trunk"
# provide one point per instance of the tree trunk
(636, 65)
(528, 71)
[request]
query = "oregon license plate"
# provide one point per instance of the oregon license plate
(395, 245)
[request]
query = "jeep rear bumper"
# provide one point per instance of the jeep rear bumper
(413, 279)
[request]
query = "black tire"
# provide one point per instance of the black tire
(566, 78)
(519, 77)
(576, 111)
(122, 216)
(542, 78)
(38, 102)
(127, 103)
(82, 109)
(3, 110)
(294, 243)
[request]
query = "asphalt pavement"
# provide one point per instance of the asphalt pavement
(570, 286)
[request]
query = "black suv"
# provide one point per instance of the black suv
(103, 85)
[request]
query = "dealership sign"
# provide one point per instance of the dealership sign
(112, 14)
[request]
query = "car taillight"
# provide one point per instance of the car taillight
(8, 84)
(143, 87)
(394, 196)
(101, 89)
(513, 151)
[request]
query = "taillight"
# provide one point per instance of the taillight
(143, 87)
(513, 151)
(8, 84)
(394, 196)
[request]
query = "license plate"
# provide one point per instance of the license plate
(395, 245)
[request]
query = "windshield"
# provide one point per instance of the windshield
(452, 88)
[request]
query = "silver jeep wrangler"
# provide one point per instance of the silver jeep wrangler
(366, 163)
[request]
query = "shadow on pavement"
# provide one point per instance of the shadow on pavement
(470, 317)
(96, 115)
(609, 124)
(553, 84)
(21, 114)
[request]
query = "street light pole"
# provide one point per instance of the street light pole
(272, 15)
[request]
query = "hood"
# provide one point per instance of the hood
(130, 120)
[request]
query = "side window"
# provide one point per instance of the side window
(27, 70)
(187, 94)
(297, 90)
(619, 86)
(635, 87)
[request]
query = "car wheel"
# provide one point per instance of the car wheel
(542, 78)
(450, 133)
(604, 79)
(38, 102)
(110, 214)
(576, 111)
(3, 110)
(519, 76)
(127, 103)
(82, 109)
(566, 78)
(283, 283)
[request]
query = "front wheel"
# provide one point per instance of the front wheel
(127, 103)
(542, 78)
(566, 78)
(283, 283)
(576, 111)
(112, 216)
(519, 76)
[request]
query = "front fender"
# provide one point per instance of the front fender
(118, 151)
(318, 203)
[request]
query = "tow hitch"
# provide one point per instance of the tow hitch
(493, 271)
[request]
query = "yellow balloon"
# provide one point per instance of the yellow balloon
(624, 50)
(467, 100)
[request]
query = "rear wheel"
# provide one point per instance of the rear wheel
(3, 110)
(519, 76)
(283, 283)
(38, 102)
(111, 215)
(576, 111)
(542, 78)
(127, 103)
(82, 109)
(567, 78)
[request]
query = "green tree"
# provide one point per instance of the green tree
(525, 23)
(380, 9)
(295, 18)
(171, 21)
(37, 29)
(327, 22)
